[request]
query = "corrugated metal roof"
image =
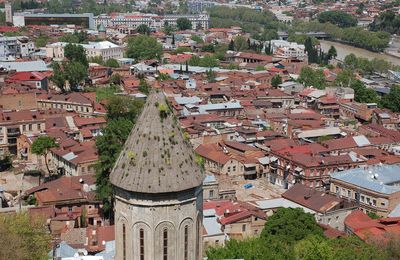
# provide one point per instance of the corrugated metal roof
(361, 140)
(376, 178)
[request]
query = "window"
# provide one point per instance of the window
(349, 193)
(211, 194)
(362, 198)
(374, 202)
(234, 168)
(38, 127)
(123, 242)
(30, 127)
(165, 244)
(141, 241)
(186, 244)
(244, 228)
(337, 189)
(229, 169)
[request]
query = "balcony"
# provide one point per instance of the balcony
(13, 132)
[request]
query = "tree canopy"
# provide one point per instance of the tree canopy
(292, 234)
(386, 21)
(183, 23)
(23, 237)
(392, 100)
(339, 18)
(76, 53)
(310, 77)
(41, 146)
(144, 47)
(143, 29)
(276, 81)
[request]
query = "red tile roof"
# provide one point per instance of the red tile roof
(311, 198)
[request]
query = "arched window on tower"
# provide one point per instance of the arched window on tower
(165, 244)
(141, 241)
(186, 243)
(123, 242)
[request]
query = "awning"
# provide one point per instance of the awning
(298, 169)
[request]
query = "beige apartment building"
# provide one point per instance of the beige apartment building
(375, 189)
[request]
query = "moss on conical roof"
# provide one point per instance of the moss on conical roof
(156, 158)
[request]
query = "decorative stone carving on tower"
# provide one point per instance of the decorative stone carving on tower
(158, 190)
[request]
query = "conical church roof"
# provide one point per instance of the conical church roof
(156, 157)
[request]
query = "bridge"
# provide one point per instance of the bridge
(318, 35)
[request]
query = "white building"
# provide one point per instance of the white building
(107, 50)
(15, 47)
(288, 50)
(199, 21)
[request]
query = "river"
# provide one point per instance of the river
(343, 50)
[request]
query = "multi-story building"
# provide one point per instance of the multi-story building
(84, 20)
(15, 47)
(73, 102)
(288, 50)
(376, 189)
(199, 21)
(308, 165)
(105, 49)
(199, 6)
(13, 124)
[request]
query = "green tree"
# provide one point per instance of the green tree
(58, 76)
(276, 81)
(197, 39)
(116, 79)
(143, 29)
(123, 108)
(231, 45)
(144, 87)
(209, 61)
(109, 146)
(392, 100)
(208, 48)
(351, 62)
(345, 78)
(96, 59)
(144, 47)
(23, 237)
(121, 113)
(75, 72)
(76, 53)
(339, 18)
(41, 41)
(291, 225)
(211, 76)
(41, 146)
(363, 94)
(112, 63)
(183, 24)
(314, 248)
(332, 53)
(310, 77)
(240, 43)
(311, 50)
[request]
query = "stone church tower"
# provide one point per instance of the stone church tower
(158, 190)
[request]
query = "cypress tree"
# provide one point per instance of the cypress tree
(231, 46)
